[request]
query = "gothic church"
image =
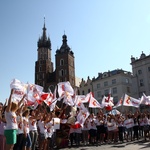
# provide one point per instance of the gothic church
(45, 75)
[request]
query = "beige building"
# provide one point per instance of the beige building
(141, 75)
(77, 81)
(118, 82)
(85, 86)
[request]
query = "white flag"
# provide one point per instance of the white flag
(93, 103)
(20, 89)
(130, 101)
(145, 100)
(65, 87)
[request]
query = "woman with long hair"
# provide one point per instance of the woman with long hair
(11, 123)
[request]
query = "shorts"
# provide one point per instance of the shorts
(27, 141)
(92, 132)
(11, 136)
(42, 136)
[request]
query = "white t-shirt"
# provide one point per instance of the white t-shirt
(129, 123)
(26, 124)
(145, 120)
(42, 127)
(50, 129)
(32, 124)
(20, 125)
(11, 121)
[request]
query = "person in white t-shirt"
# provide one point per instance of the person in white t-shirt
(33, 127)
(85, 132)
(27, 139)
(20, 135)
(11, 123)
(145, 126)
(42, 131)
(129, 123)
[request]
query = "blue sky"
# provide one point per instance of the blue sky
(103, 34)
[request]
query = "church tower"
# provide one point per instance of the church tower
(43, 65)
(65, 67)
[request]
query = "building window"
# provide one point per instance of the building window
(89, 90)
(40, 76)
(40, 69)
(106, 92)
(61, 72)
(113, 81)
(106, 83)
(114, 90)
(99, 94)
(98, 86)
(82, 92)
(115, 99)
(127, 80)
(141, 82)
(139, 71)
(41, 56)
(61, 62)
(149, 69)
(128, 89)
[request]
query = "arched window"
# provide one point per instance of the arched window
(61, 62)
(61, 72)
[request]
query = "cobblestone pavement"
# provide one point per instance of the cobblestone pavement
(134, 145)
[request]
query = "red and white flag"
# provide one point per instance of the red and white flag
(20, 89)
(107, 101)
(130, 101)
(33, 93)
(68, 100)
(53, 101)
(93, 103)
(82, 116)
(65, 87)
(79, 99)
(120, 102)
(145, 100)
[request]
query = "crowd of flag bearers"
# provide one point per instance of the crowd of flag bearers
(31, 119)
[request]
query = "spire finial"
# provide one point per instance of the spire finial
(44, 21)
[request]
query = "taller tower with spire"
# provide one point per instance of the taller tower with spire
(43, 65)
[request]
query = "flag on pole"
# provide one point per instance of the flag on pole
(93, 103)
(120, 102)
(65, 87)
(145, 99)
(130, 101)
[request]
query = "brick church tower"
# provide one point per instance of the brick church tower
(64, 60)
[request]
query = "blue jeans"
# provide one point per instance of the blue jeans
(27, 141)
(34, 137)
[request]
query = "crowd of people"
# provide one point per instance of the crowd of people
(24, 128)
